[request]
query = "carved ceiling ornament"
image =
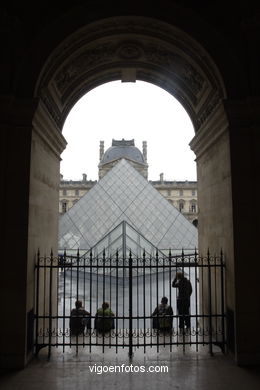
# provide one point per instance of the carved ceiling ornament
(129, 54)
(141, 43)
(129, 51)
(87, 60)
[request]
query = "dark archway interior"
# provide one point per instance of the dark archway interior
(206, 56)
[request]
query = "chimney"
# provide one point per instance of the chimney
(101, 150)
(145, 150)
(161, 177)
(84, 177)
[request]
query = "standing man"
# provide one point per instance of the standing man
(183, 300)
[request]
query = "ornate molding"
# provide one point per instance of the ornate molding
(174, 63)
(136, 55)
(208, 108)
(87, 60)
(105, 47)
(210, 132)
(47, 130)
(130, 51)
(50, 105)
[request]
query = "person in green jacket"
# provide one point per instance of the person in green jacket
(104, 320)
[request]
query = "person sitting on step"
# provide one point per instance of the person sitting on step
(79, 319)
(163, 316)
(104, 321)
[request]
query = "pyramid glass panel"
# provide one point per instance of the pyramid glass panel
(122, 240)
(124, 195)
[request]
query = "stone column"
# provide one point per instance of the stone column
(244, 124)
(215, 218)
(228, 161)
(30, 175)
(16, 130)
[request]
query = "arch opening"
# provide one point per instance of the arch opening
(130, 121)
(130, 49)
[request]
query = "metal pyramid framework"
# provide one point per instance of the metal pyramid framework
(123, 195)
(122, 240)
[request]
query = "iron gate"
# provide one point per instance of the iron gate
(133, 287)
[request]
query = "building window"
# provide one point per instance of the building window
(76, 192)
(193, 208)
(181, 192)
(64, 192)
(181, 206)
(193, 192)
(169, 192)
(64, 207)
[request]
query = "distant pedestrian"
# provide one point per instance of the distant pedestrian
(104, 321)
(79, 319)
(163, 316)
(183, 300)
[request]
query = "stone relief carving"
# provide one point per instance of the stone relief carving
(127, 52)
(174, 62)
(148, 42)
(51, 107)
(208, 108)
(87, 60)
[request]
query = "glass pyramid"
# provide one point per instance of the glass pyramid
(124, 195)
(120, 241)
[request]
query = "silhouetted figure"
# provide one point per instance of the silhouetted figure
(79, 319)
(162, 316)
(183, 299)
(104, 320)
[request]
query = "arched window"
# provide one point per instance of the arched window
(64, 206)
(181, 204)
(193, 206)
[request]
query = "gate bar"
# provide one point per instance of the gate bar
(130, 307)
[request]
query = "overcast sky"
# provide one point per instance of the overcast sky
(139, 111)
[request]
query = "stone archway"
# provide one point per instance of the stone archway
(138, 48)
(130, 48)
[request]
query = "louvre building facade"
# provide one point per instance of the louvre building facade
(181, 194)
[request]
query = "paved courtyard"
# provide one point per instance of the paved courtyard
(82, 370)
